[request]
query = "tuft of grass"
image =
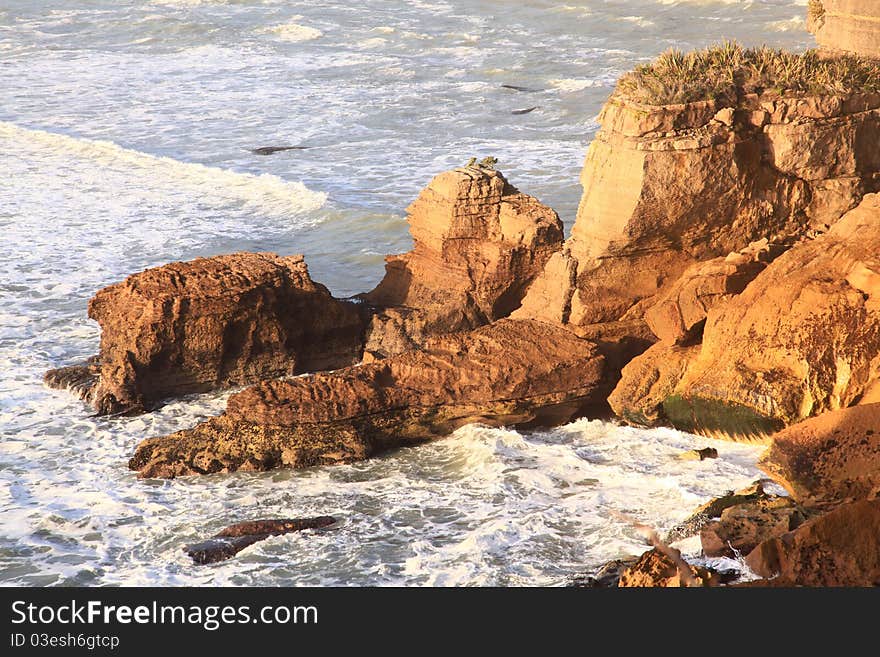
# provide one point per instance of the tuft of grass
(727, 71)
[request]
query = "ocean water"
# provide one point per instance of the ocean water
(125, 131)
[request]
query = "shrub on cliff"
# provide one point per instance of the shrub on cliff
(726, 71)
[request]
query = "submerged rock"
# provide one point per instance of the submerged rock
(699, 454)
(80, 380)
(508, 373)
(235, 538)
(214, 322)
(835, 456)
(478, 244)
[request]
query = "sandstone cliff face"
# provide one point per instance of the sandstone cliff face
(846, 25)
(802, 339)
(478, 244)
(669, 186)
(507, 373)
(214, 322)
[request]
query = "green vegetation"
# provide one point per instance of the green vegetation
(727, 71)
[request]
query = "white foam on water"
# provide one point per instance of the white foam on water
(264, 192)
(295, 32)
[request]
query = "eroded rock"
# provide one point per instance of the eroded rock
(235, 538)
(215, 322)
(478, 244)
(838, 548)
(656, 569)
(835, 456)
(507, 373)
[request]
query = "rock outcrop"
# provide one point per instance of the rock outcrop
(214, 322)
(742, 527)
(846, 25)
(802, 339)
(679, 314)
(838, 548)
(835, 456)
(478, 244)
(656, 569)
(519, 373)
(233, 539)
(666, 187)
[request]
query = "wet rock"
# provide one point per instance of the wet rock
(713, 509)
(507, 373)
(742, 527)
(838, 548)
(605, 577)
(235, 538)
(478, 244)
(214, 322)
(524, 111)
(835, 456)
(269, 150)
(699, 454)
(78, 379)
(656, 569)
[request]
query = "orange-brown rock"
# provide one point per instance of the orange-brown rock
(648, 380)
(802, 339)
(846, 25)
(506, 373)
(838, 548)
(214, 322)
(666, 187)
(678, 315)
(742, 527)
(655, 569)
(478, 244)
(835, 456)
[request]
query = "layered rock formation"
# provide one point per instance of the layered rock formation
(800, 339)
(846, 25)
(507, 373)
(228, 320)
(478, 244)
(668, 186)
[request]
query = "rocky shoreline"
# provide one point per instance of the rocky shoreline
(721, 277)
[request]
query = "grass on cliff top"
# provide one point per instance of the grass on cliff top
(726, 71)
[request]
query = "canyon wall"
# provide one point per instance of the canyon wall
(846, 26)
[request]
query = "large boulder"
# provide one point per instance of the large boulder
(802, 339)
(210, 323)
(838, 548)
(834, 456)
(519, 373)
(846, 25)
(656, 569)
(478, 244)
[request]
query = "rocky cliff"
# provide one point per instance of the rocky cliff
(668, 186)
(846, 25)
